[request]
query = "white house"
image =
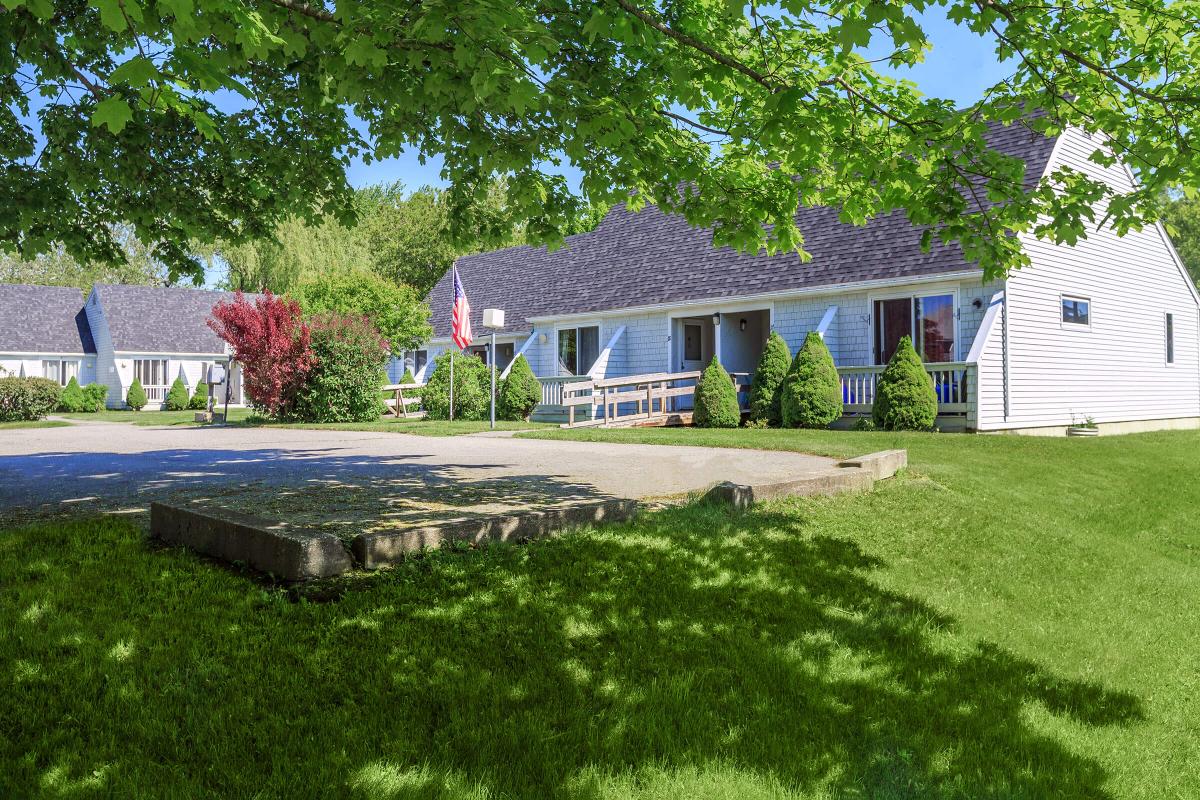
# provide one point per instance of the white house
(1108, 329)
(44, 333)
(153, 333)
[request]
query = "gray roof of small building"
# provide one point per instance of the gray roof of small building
(160, 319)
(647, 258)
(43, 319)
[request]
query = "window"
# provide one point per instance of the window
(1170, 338)
(420, 358)
(150, 371)
(1076, 311)
(578, 349)
(928, 320)
(60, 370)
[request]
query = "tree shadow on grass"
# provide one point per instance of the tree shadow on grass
(698, 651)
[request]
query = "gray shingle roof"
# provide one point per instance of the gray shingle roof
(650, 258)
(43, 319)
(160, 319)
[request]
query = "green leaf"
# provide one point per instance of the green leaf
(114, 113)
(362, 52)
(111, 14)
(137, 71)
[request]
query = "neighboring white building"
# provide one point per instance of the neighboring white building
(156, 334)
(44, 333)
(1108, 329)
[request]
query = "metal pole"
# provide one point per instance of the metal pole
(492, 358)
(452, 386)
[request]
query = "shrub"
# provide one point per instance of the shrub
(72, 400)
(865, 424)
(177, 396)
(407, 377)
(765, 389)
(904, 397)
(716, 404)
(27, 399)
(812, 393)
(136, 397)
(199, 398)
(519, 392)
(272, 343)
(470, 396)
(95, 396)
(348, 367)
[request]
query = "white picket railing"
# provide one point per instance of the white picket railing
(156, 394)
(953, 383)
(552, 388)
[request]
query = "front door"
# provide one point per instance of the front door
(691, 352)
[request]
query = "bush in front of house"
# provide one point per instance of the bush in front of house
(812, 393)
(135, 398)
(904, 396)
(349, 362)
(72, 400)
(27, 399)
(199, 399)
(177, 396)
(716, 404)
(766, 387)
(470, 396)
(95, 395)
(519, 393)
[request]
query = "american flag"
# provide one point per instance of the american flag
(460, 317)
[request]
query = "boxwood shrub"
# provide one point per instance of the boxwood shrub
(27, 399)
(904, 397)
(471, 388)
(812, 393)
(716, 404)
(765, 389)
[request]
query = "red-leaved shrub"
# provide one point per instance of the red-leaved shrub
(272, 343)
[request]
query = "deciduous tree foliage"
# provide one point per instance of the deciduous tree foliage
(1182, 219)
(394, 310)
(349, 357)
(108, 114)
(272, 344)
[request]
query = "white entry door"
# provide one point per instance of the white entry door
(691, 354)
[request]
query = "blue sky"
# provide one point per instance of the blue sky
(960, 67)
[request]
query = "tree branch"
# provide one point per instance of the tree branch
(308, 10)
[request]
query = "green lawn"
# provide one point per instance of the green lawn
(1012, 617)
(151, 417)
(40, 423)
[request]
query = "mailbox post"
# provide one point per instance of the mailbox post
(493, 318)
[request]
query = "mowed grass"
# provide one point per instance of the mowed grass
(38, 423)
(152, 417)
(1010, 618)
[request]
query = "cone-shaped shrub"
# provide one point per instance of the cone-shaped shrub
(519, 392)
(136, 397)
(72, 400)
(812, 394)
(177, 397)
(904, 397)
(199, 400)
(768, 380)
(407, 377)
(716, 404)
(470, 398)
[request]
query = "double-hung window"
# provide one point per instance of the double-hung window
(60, 370)
(578, 349)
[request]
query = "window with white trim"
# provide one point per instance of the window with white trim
(60, 370)
(150, 371)
(1076, 311)
(578, 349)
(1170, 336)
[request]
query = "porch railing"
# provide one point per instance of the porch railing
(156, 394)
(953, 383)
(552, 388)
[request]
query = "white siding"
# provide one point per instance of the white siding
(1113, 370)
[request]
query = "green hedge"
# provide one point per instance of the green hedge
(472, 385)
(95, 395)
(812, 393)
(716, 404)
(177, 397)
(905, 399)
(72, 400)
(766, 387)
(199, 399)
(27, 399)
(349, 364)
(519, 393)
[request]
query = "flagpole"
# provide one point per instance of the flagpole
(452, 386)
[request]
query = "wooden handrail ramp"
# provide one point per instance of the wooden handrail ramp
(634, 400)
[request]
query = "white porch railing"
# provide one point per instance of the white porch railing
(953, 383)
(552, 388)
(156, 394)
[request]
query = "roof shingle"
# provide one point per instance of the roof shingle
(43, 319)
(160, 319)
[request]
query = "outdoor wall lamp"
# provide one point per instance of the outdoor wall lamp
(977, 303)
(543, 338)
(742, 324)
(716, 319)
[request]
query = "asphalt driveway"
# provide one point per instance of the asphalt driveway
(112, 465)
